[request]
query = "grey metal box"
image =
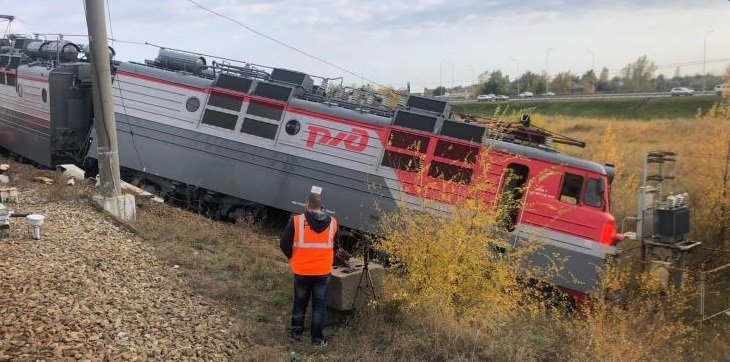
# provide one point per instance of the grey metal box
(672, 224)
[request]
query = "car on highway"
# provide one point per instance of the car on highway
(548, 94)
(525, 95)
(681, 91)
(502, 97)
(720, 88)
(485, 97)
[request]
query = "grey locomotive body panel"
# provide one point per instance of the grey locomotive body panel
(248, 172)
(45, 117)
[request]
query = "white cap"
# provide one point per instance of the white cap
(316, 190)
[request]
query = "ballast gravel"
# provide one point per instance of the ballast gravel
(90, 290)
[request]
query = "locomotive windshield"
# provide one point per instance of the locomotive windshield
(594, 193)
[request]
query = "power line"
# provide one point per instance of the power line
(109, 15)
(289, 46)
(112, 39)
(121, 93)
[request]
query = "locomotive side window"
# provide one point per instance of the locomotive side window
(594, 193)
(456, 152)
(571, 189)
(513, 189)
(451, 173)
(226, 101)
(220, 119)
(265, 110)
(259, 129)
(408, 141)
(402, 161)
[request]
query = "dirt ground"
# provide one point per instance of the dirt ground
(91, 290)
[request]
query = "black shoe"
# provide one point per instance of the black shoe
(295, 337)
(319, 343)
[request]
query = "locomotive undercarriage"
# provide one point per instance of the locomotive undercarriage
(209, 203)
(228, 208)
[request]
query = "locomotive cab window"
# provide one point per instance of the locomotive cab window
(571, 189)
(594, 193)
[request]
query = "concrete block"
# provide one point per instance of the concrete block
(661, 272)
(121, 207)
(72, 171)
(344, 284)
(8, 194)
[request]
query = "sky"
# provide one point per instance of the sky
(426, 42)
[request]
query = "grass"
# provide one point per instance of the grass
(626, 108)
(236, 264)
(701, 145)
(241, 266)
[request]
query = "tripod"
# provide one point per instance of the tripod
(366, 278)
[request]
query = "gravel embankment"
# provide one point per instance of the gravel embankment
(90, 290)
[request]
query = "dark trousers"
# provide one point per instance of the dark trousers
(304, 288)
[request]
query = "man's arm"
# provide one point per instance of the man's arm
(287, 239)
(341, 255)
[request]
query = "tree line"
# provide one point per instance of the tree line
(638, 76)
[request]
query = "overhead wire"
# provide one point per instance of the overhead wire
(121, 94)
(713, 157)
(287, 45)
(110, 38)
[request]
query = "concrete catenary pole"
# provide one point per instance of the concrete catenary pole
(106, 130)
(121, 206)
(704, 60)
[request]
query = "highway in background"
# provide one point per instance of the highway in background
(591, 96)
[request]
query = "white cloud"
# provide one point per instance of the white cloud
(394, 41)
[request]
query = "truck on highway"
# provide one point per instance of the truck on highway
(720, 88)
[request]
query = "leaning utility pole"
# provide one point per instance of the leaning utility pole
(111, 198)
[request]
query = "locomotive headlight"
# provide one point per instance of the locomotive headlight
(292, 127)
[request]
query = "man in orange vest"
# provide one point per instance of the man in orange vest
(308, 242)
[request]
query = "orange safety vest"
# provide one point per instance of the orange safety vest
(312, 252)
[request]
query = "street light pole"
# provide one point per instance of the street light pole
(441, 82)
(704, 59)
(452, 73)
(441, 76)
(593, 69)
(547, 76)
(517, 76)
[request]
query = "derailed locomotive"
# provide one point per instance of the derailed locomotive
(230, 136)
